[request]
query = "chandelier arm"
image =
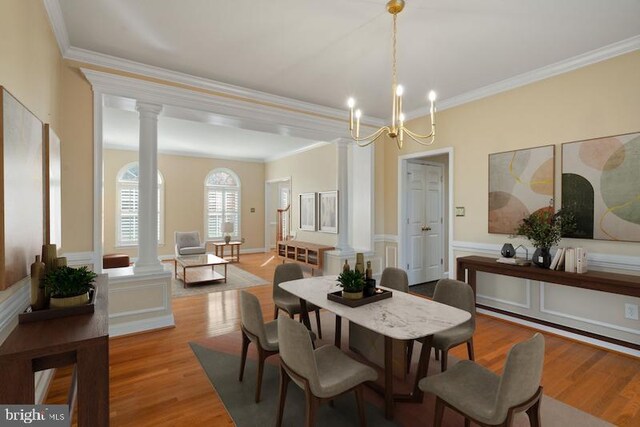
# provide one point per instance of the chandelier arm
(371, 137)
(419, 138)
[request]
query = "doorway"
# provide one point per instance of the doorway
(277, 196)
(425, 226)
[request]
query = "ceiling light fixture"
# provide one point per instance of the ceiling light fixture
(397, 130)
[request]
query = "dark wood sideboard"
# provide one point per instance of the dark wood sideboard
(81, 339)
(622, 284)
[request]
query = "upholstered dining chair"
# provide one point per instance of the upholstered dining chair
(286, 301)
(395, 278)
(254, 330)
(188, 243)
(486, 398)
(323, 374)
(460, 295)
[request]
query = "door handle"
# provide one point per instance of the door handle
(425, 228)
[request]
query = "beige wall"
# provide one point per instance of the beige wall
(184, 197)
(598, 100)
(310, 171)
(30, 68)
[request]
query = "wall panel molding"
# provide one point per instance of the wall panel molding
(526, 305)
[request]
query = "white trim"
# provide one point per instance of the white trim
(402, 169)
(296, 151)
(58, 25)
(42, 380)
(18, 300)
(98, 184)
(392, 238)
(526, 305)
(267, 195)
(391, 253)
(109, 146)
(137, 312)
(561, 67)
(224, 188)
(171, 257)
(582, 319)
(144, 325)
(562, 333)
(598, 260)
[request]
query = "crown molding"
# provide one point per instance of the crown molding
(579, 61)
(184, 153)
(296, 151)
(138, 68)
(58, 26)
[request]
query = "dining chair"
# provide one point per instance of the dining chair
(460, 295)
(324, 373)
(286, 301)
(488, 399)
(395, 278)
(254, 330)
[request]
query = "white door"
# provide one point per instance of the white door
(424, 223)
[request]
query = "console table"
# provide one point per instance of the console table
(622, 284)
(81, 339)
(310, 254)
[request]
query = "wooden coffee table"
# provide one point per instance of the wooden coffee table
(192, 261)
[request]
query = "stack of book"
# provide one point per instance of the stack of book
(571, 260)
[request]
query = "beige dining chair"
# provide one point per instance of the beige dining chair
(324, 373)
(254, 330)
(395, 278)
(286, 301)
(486, 398)
(460, 295)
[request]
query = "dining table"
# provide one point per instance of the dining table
(403, 317)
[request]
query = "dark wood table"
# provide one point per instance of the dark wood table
(81, 339)
(622, 284)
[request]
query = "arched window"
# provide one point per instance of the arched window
(127, 206)
(222, 203)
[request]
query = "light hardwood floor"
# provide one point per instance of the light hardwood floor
(156, 380)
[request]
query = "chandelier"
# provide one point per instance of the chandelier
(397, 130)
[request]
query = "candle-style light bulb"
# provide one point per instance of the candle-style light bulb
(399, 90)
(351, 102)
(358, 115)
(432, 96)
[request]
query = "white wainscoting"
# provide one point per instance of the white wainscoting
(538, 305)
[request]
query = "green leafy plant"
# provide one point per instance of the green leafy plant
(351, 281)
(64, 282)
(545, 229)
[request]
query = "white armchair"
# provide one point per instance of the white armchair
(188, 243)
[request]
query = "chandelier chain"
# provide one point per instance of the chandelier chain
(395, 79)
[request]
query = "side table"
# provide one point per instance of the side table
(219, 249)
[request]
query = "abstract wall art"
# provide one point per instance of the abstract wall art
(601, 186)
(328, 211)
(21, 189)
(520, 183)
(307, 211)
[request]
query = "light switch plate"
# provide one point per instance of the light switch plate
(459, 210)
(253, 210)
(631, 311)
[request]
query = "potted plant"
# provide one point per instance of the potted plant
(545, 229)
(69, 287)
(352, 283)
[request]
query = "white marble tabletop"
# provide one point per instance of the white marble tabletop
(403, 316)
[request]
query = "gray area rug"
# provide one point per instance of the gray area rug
(238, 397)
(236, 279)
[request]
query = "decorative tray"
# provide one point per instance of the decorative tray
(53, 313)
(379, 295)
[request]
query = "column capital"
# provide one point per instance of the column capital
(148, 109)
(343, 142)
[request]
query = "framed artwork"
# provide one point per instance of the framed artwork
(328, 211)
(307, 211)
(601, 186)
(520, 183)
(52, 185)
(21, 189)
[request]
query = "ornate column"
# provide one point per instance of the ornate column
(343, 195)
(148, 261)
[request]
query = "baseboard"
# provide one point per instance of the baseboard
(571, 333)
(17, 299)
(242, 251)
(144, 325)
(42, 380)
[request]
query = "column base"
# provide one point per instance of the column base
(148, 268)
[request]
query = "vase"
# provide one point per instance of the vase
(542, 257)
(49, 257)
(69, 301)
(352, 295)
(227, 239)
(37, 288)
(508, 251)
(369, 287)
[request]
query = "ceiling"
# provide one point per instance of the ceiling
(196, 138)
(322, 52)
